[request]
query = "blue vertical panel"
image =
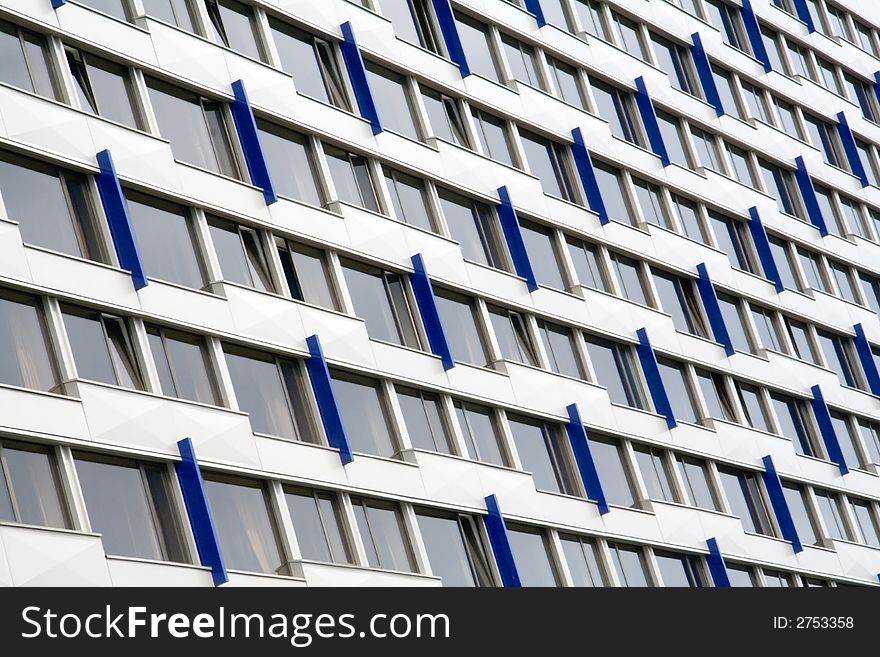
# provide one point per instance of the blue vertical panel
(851, 150)
(331, 418)
(246, 126)
(762, 247)
(427, 303)
(803, 12)
(713, 310)
(534, 6)
(866, 357)
(584, 164)
(826, 428)
(446, 20)
(199, 511)
(57, 3)
(649, 120)
(716, 565)
(500, 542)
(780, 506)
(704, 70)
(808, 194)
(753, 29)
(351, 54)
(876, 85)
(116, 210)
(580, 447)
(653, 378)
(515, 243)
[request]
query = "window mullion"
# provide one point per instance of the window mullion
(290, 549)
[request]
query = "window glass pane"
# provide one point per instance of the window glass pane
(521, 59)
(741, 576)
(175, 12)
(652, 466)
(444, 115)
(351, 177)
(844, 281)
(628, 35)
(837, 358)
(451, 553)
(241, 255)
(13, 65)
(765, 324)
(165, 241)
(829, 507)
(480, 433)
(317, 523)
(726, 91)
(609, 463)
(494, 139)
(745, 500)
(311, 61)
(424, 420)
(460, 324)
(387, 314)
(696, 481)
(800, 340)
(791, 415)
(616, 370)
(753, 407)
(33, 482)
(689, 216)
(678, 391)
(541, 452)
(733, 321)
(797, 506)
(629, 277)
(475, 42)
(531, 552)
(363, 412)
(866, 522)
(384, 537)
(678, 570)
(409, 198)
(582, 559)
(25, 359)
(677, 298)
(542, 254)
(671, 135)
(560, 349)
(247, 534)
(715, 395)
(629, 562)
(234, 26)
(611, 188)
(89, 344)
(308, 278)
(590, 14)
(109, 84)
(566, 81)
(871, 439)
(586, 264)
(392, 99)
(546, 160)
(650, 202)
(846, 439)
(183, 365)
(288, 157)
(471, 225)
(512, 335)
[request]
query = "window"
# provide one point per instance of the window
(392, 99)
(679, 570)
(247, 533)
(629, 563)
(24, 343)
(796, 500)
(30, 492)
(753, 407)
(788, 118)
(102, 347)
(866, 527)
(455, 550)
(318, 525)
(767, 328)
(616, 482)
(611, 187)
(793, 417)
(629, 277)
(840, 357)
(381, 526)
(678, 298)
(865, 37)
(675, 381)
(271, 391)
(870, 432)
(616, 370)
(650, 198)
(675, 61)
(670, 132)
(689, 217)
(832, 514)
(165, 241)
(718, 402)
(860, 92)
(174, 12)
(289, 157)
(352, 178)
(565, 79)
(103, 87)
(585, 257)
(116, 8)
(521, 58)
(554, 13)
(733, 320)
(740, 165)
(728, 19)
(183, 365)
(480, 432)
(582, 558)
(307, 274)
(240, 252)
(364, 414)
(548, 161)
(871, 291)
(313, 63)
(234, 26)
(756, 101)
(799, 59)
(617, 107)
(512, 333)
(627, 32)
(413, 22)
(741, 576)
(494, 137)
(541, 247)
(780, 184)
(732, 237)
(828, 76)
(814, 271)
(381, 299)
(851, 218)
(531, 552)
(824, 136)
(53, 208)
(843, 278)
(706, 146)
(590, 14)
(24, 61)
(458, 314)
(781, 256)
(800, 341)
(423, 414)
(409, 198)
(476, 42)
(130, 505)
(195, 126)
(746, 500)
(445, 117)
(543, 451)
(652, 465)
(726, 91)
(773, 47)
(473, 225)
(775, 579)
(560, 349)
(695, 476)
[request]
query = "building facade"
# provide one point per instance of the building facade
(423, 293)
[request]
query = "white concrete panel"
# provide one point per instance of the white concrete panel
(81, 278)
(48, 126)
(44, 557)
(138, 573)
(43, 413)
(321, 574)
(255, 580)
(13, 261)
